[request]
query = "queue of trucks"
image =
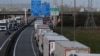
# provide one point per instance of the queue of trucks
(53, 44)
(11, 24)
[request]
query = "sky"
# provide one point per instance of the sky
(96, 3)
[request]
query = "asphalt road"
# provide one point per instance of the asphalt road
(25, 44)
(3, 38)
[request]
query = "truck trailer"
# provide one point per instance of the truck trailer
(39, 29)
(41, 38)
(65, 48)
(49, 44)
(85, 54)
(38, 22)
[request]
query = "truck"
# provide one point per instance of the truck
(85, 54)
(66, 48)
(41, 38)
(39, 29)
(49, 44)
(19, 20)
(12, 24)
(3, 24)
(38, 22)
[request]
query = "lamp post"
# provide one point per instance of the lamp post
(74, 20)
(74, 37)
(61, 16)
(25, 10)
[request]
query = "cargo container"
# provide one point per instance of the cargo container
(64, 48)
(49, 44)
(18, 19)
(39, 29)
(38, 22)
(84, 54)
(48, 33)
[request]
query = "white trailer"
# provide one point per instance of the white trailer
(3, 24)
(65, 48)
(18, 19)
(38, 22)
(49, 44)
(41, 38)
(39, 29)
(84, 54)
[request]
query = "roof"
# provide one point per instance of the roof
(47, 31)
(43, 27)
(50, 33)
(85, 54)
(39, 21)
(3, 21)
(71, 44)
(58, 37)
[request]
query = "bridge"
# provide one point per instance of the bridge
(29, 13)
(13, 13)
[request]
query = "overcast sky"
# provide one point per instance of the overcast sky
(96, 3)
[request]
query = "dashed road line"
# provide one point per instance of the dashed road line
(32, 44)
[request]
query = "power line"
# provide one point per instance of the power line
(90, 22)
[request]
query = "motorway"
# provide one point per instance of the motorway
(3, 39)
(25, 44)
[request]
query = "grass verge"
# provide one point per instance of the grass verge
(89, 37)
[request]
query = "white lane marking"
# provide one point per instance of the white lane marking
(6, 41)
(32, 44)
(17, 42)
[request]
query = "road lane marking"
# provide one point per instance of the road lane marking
(32, 44)
(17, 42)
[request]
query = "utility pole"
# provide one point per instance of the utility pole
(25, 16)
(74, 37)
(74, 20)
(61, 16)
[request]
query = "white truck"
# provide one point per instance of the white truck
(84, 54)
(41, 38)
(49, 44)
(39, 29)
(18, 19)
(66, 48)
(38, 22)
(3, 24)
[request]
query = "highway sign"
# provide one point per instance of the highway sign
(54, 11)
(35, 7)
(35, 0)
(45, 10)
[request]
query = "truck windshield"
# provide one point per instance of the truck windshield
(2, 24)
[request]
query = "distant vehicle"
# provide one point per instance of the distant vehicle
(3, 24)
(84, 54)
(13, 25)
(19, 21)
